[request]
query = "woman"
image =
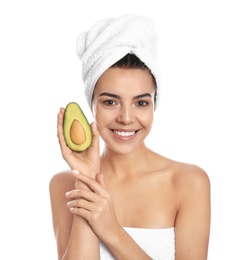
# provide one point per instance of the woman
(129, 202)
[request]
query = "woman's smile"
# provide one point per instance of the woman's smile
(124, 134)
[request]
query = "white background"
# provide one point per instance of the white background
(197, 121)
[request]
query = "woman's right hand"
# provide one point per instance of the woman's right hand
(87, 162)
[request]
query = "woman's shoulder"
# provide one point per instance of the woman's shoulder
(191, 173)
(183, 174)
(189, 178)
(61, 181)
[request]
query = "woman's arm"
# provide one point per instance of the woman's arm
(192, 224)
(96, 207)
(75, 238)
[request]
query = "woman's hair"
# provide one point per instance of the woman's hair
(131, 61)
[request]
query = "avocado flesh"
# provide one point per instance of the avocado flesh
(77, 131)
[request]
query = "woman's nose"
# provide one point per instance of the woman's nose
(126, 115)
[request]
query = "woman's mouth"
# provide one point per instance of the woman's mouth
(124, 133)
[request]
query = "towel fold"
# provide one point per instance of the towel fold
(111, 39)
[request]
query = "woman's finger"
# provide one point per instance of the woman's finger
(95, 136)
(60, 134)
(86, 214)
(90, 182)
(82, 193)
(81, 203)
(100, 180)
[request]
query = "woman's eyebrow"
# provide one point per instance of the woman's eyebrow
(143, 95)
(118, 97)
(109, 95)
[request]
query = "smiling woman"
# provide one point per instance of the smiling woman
(128, 202)
(123, 102)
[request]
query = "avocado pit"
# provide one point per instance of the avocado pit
(77, 133)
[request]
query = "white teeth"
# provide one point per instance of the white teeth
(124, 133)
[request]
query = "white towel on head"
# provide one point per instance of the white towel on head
(111, 39)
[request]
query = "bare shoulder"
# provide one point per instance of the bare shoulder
(181, 172)
(190, 175)
(191, 182)
(61, 182)
(184, 176)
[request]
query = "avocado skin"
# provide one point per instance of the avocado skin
(74, 112)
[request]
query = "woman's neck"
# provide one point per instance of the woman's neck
(123, 165)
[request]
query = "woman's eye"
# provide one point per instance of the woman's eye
(142, 103)
(109, 102)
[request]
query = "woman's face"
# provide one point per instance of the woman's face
(123, 107)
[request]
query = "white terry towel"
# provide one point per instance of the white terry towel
(111, 39)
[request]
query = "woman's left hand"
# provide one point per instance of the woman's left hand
(94, 205)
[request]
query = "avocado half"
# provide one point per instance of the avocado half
(76, 128)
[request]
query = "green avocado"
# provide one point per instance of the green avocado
(77, 131)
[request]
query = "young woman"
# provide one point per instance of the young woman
(129, 202)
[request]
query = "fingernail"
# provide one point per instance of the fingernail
(75, 171)
(67, 193)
